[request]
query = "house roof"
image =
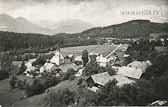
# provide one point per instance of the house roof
(130, 72)
(159, 103)
(78, 58)
(103, 78)
(65, 67)
(140, 65)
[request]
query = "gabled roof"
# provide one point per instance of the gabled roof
(65, 67)
(140, 65)
(130, 72)
(78, 58)
(103, 78)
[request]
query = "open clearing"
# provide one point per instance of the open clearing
(102, 49)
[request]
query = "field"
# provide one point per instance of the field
(102, 49)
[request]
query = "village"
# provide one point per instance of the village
(94, 70)
(66, 53)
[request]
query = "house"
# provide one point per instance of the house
(102, 61)
(65, 67)
(58, 58)
(129, 72)
(159, 103)
(30, 67)
(140, 65)
(78, 60)
(69, 58)
(93, 89)
(47, 67)
(101, 79)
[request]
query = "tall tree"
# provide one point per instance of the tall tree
(85, 57)
(92, 67)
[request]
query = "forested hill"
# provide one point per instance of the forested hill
(134, 28)
(10, 41)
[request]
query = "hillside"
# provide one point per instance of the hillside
(41, 100)
(134, 28)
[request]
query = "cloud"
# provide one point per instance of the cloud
(97, 12)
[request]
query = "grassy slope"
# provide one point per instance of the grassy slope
(8, 96)
(40, 100)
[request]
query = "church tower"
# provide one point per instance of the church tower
(58, 58)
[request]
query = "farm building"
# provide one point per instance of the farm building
(69, 58)
(46, 67)
(65, 67)
(159, 103)
(129, 72)
(140, 65)
(102, 61)
(30, 67)
(101, 79)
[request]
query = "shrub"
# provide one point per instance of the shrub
(13, 81)
(35, 88)
(22, 68)
(62, 97)
(140, 93)
(69, 74)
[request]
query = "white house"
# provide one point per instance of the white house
(102, 61)
(46, 67)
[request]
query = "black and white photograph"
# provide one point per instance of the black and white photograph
(66, 53)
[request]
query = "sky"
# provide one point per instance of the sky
(96, 12)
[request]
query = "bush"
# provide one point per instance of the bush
(62, 97)
(69, 74)
(22, 68)
(161, 87)
(13, 81)
(140, 93)
(40, 61)
(3, 74)
(35, 88)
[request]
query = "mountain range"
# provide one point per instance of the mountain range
(133, 28)
(22, 25)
